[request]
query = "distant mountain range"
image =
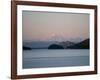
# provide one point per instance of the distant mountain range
(66, 44)
(69, 45)
(39, 44)
(56, 45)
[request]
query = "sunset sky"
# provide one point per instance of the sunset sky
(53, 26)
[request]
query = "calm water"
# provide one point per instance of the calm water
(42, 58)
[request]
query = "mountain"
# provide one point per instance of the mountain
(46, 44)
(39, 44)
(81, 45)
(61, 45)
(66, 44)
(55, 46)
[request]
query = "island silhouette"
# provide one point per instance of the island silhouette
(55, 46)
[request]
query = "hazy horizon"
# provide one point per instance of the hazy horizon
(51, 26)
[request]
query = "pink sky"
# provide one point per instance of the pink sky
(54, 26)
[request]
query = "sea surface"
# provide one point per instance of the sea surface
(44, 58)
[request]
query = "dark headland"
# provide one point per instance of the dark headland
(81, 45)
(26, 48)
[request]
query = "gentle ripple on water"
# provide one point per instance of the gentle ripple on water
(55, 58)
